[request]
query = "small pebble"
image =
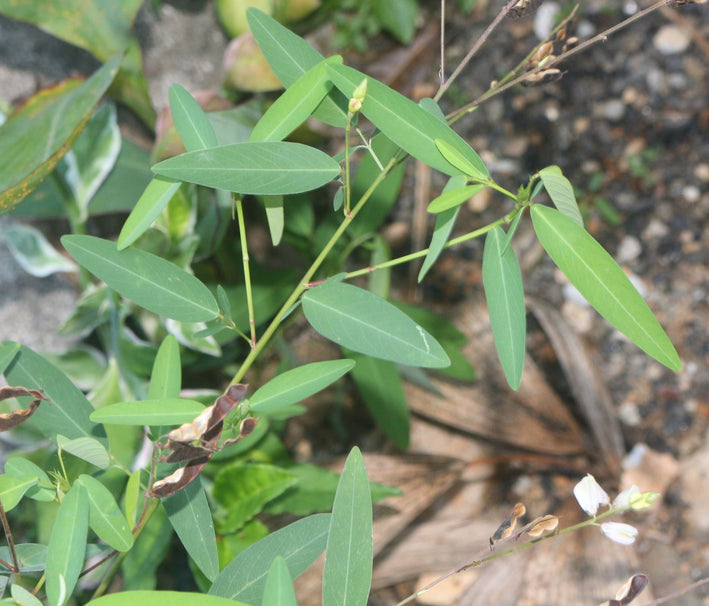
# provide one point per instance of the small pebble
(580, 318)
(671, 39)
(701, 171)
(655, 229)
(613, 110)
(629, 249)
(629, 414)
(691, 193)
(544, 19)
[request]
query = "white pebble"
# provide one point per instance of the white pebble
(671, 39)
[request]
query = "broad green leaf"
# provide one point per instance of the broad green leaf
(453, 199)
(166, 376)
(290, 57)
(132, 497)
(409, 126)
(33, 252)
(314, 491)
(398, 17)
(348, 561)
(275, 217)
(382, 390)
(105, 518)
(148, 207)
(504, 293)
(168, 598)
(190, 516)
(19, 467)
(261, 168)
(295, 105)
(191, 122)
(23, 597)
(8, 351)
(12, 489)
(68, 410)
(279, 586)
(460, 161)
(561, 192)
(85, 448)
(235, 125)
(165, 411)
(602, 282)
(443, 329)
(300, 544)
(443, 227)
(153, 283)
(101, 27)
(141, 563)
(92, 157)
(297, 384)
(243, 489)
(32, 556)
(67, 544)
(357, 319)
(34, 139)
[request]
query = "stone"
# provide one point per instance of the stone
(671, 40)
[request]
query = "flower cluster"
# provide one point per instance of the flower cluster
(591, 496)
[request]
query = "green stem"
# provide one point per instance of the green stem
(304, 283)
(346, 185)
(247, 272)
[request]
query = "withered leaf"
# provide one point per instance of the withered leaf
(539, 526)
(12, 419)
(505, 529)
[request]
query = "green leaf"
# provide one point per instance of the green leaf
(166, 411)
(151, 598)
(602, 282)
(132, 496)
(153, 283)
(511, 231)
(68, 410)
(290, 57)
(190, 516)
(297, 384)
(33, 252)
(382, 389)
(442, 230)
(357, 319)
(148, 207)
(561, 192)
(261, 168)
(23, 597)
(398, 17)
(34, 139)
(275, 216)
(67, 545)
(12, 489)
(85, 448)
(243, 489)
(8, 351)
(192, 124)
(105, 518)
(19, 467)
(300, 544)
(348, 561)
(464, 164)
(141, 563)
(166, 376)
(32, 557)
(409, 126)
(295, 105)
(278, 590)
(504, 293)
(453, 199)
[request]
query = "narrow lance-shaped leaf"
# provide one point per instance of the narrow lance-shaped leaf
(275, 216)
(459, 160)
(348, 561)
(504, 293)
(295, 105)
(151, 598)
(166, 411)
(561, 192)
(192, 124)
(153, 283)
(191, 517)
(409, 126)
(166, 376)
(363, 322)
(453, 198)
(105, 518)
(262, 168)
(602, 282)
(67, 544)
(300, 544)
(279, 586)
(297, 384)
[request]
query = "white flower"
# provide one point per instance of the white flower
(590, 495)
(620, 533)
(625, 498)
